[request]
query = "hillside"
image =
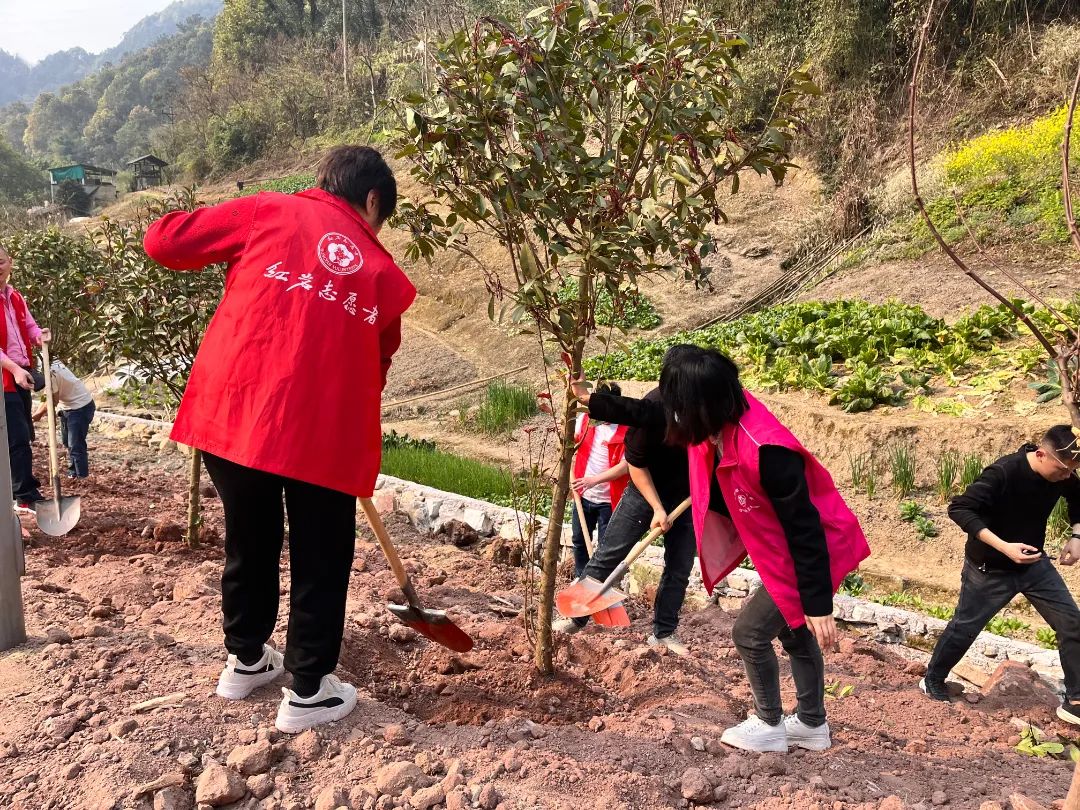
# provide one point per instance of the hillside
(20, 81)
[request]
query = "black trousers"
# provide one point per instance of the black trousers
(322, 540)
(985, 592)
(20, 429)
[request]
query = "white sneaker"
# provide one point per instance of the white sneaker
(238, 680)
(754, 734)
(333, 701)
(670, 642)
(567, 627)
(803, 736)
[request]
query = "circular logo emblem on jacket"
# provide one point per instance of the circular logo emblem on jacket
(339, 254)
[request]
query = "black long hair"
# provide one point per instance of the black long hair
(701, 393)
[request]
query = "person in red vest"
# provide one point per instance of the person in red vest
(600, 476)
(19, 336)
(284, 401)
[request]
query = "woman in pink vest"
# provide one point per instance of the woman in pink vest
(284, 401)
(756, 490)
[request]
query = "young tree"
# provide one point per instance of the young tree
(153, 319)
(593, 141)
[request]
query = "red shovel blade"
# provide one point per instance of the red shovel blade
(584, 598)
(435, 625)
(612, 617)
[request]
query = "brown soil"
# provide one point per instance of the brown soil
(614, 728)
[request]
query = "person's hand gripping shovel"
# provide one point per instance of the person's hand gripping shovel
(56, 516)
(588, 596)
(434, 624)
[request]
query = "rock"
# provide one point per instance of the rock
(401, 634)
(396, 734)
(331, 797)
(72, 771)
(892, 803)
(191, 586)
(428, 797)
(218, 785)
(695, 786)
(261, 785)
(756, 251)
(166, 780)
(459, 534)
(1013, 679)
(165, 532)
(917, 668)
(62, 727)
(392, 779)
(251, 759)
(938, 798)
(505, 551)
(8, 750)
(173, 798)
(596, 724)
(972, 697)
(1021, 802)
(306, 746)
(489, 798)
(479, 520)
(991, 806)
(458, 800)
(57, 635)
(775, 765)
(209, 491)
(101, 612)
(697, 743)
(121, 728)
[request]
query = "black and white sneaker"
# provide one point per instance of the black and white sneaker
(935, 690)
(238, 679)
(1069, 711)
(333, 701)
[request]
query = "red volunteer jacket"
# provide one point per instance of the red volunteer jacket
(616, 449)
(289, 376)
(18, 303)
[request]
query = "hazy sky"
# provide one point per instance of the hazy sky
(35, 28)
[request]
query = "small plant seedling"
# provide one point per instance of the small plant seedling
(902, 459)
(925, 528)
(1046, 637)
(971, 468)
(910, 511)
(853, 584)
(1006, 625)
(1033, 746)
(948, 467)
(836, 690)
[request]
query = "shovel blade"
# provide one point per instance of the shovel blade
(58, 518)
(615, 616)
(586, 597)
(435, 625)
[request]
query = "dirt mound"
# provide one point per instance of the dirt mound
(110, 704)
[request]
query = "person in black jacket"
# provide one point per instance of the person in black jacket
(1004, 512)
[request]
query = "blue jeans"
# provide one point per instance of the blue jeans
(597, 516)
(984, 592)
(74, 425)
(628, 524)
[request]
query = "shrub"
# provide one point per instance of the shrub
(853, 584)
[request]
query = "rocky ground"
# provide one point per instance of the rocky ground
(110, 703)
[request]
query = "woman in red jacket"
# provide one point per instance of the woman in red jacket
(284, 401)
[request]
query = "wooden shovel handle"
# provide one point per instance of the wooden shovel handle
(581, 519)
(54, 464)
(377, 526)
(643, 544)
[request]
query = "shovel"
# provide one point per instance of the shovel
(588, 596)
(58, 516)
(433, 624)
(615, 616)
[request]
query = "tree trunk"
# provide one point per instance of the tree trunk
(553, 544)
(1072, 800)
(542, 657)
(194, 515)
